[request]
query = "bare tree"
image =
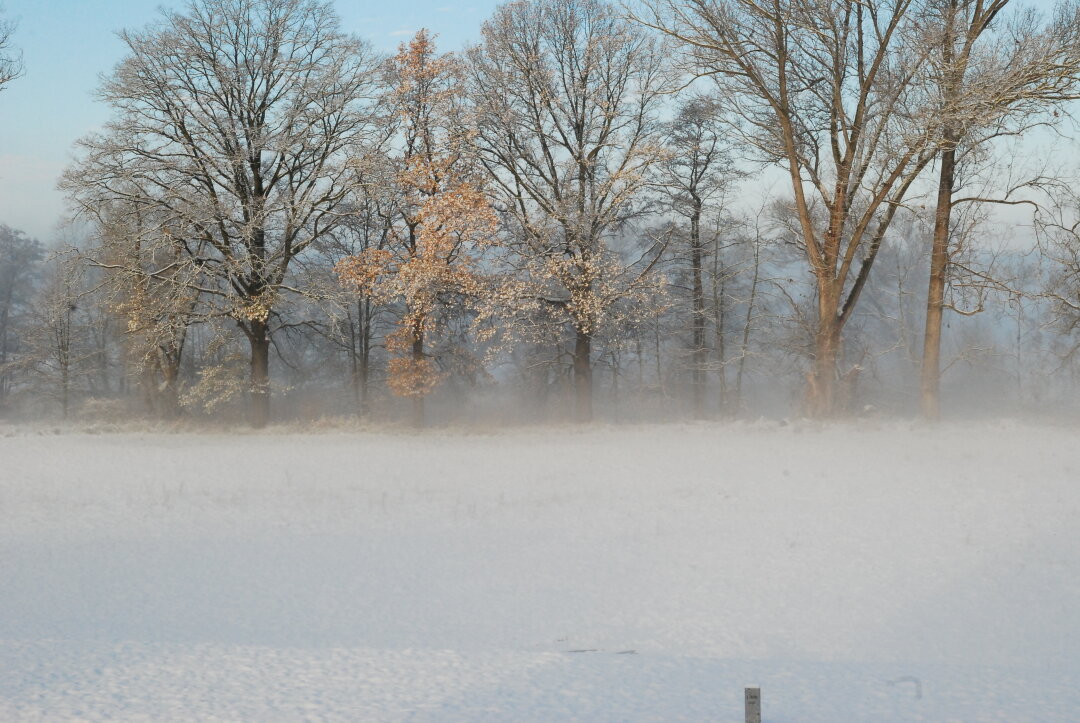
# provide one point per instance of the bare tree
(696, 175)
(1058, 226)
(753, 264)
(235, 119)
(990, 78)
(567, 94)
(57, 345)
(824, 90)
(11, 65)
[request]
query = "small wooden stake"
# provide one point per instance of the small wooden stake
(753, 705)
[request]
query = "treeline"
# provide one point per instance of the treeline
(677, 208)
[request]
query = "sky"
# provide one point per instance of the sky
(68, 44)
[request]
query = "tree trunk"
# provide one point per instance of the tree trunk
(354, 356)
(583, 401)
(170, 372)
(63, 356)
(360, 357)
(418, 399)
(697, 372)
(930, 386)
(821, 382)
(364, 368)
(744, 349)
(259, 337)
(361, 377)
(615, 382)
(65, 389)
(148, 386)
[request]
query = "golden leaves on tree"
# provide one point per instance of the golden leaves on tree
(413, 377)
(254, 308)
(445, 224)
(362, 271)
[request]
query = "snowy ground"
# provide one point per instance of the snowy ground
(855, 572)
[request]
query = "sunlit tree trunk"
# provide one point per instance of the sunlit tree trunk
(930, 386)
(822, 380)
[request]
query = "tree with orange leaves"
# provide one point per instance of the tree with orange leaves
(444, 221)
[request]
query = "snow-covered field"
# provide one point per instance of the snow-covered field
(858, 572)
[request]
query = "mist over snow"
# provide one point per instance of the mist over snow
(857, 571)
(540, 360)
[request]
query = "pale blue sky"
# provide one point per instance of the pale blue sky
(67, 44)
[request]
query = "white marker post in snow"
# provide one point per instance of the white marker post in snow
(753, 705)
